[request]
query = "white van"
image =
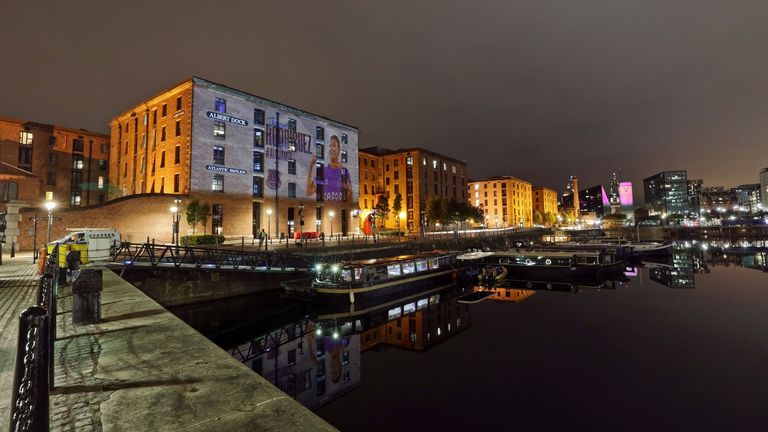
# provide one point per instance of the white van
(95, 244)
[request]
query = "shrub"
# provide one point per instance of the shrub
(201, 239)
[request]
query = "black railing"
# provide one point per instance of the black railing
(33, 376)
(155, 255)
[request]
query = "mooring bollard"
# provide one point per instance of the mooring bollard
(86, 291)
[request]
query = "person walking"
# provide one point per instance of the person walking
(262, 238)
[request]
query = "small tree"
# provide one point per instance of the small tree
(397, 205)
(203, 213)
(549, 218)
(382, 208)
(193, 214)
(538, 219)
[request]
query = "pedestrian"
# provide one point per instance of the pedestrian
(262, 237)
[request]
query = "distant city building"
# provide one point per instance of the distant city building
(257, 162)
(764, 188)
(694, 195)
(747, 196)
(72, 164)
(570, 202)
(506, 201)
(717, 199)
(667, 193)
(613, 194)
(595, 200)
(626, 198)
(417, 174)
(544, 201)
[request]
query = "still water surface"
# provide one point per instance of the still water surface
(681, 348)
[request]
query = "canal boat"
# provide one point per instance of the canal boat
(545, 264)
(623, 249)
(362, 280)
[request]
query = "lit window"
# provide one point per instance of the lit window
(409, 160)
(258, 161)
(25, 138)
(258, 138)
(344, 156)
(344, 138)
(218, 155)
(218, 183)
(219, 129)
(220, 105)
(434, 164)
(101, 182)
(291, 166)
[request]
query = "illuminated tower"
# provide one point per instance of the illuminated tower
(613, 197)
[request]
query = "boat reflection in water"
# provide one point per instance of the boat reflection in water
(317, 358)
(756, 261)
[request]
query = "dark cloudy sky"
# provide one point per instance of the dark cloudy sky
(537, 89)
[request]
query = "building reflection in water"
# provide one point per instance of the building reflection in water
(756, 261)
(317, 359)
(678, 274)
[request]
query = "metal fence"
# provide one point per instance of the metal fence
(33, 376)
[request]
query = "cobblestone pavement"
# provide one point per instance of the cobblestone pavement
(18, 288)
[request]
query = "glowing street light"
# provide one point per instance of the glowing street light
(331, 214)
(50, 205)
(269, 218)
(175, 217)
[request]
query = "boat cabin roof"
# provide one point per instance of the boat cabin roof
(546, 253)
(394, 259)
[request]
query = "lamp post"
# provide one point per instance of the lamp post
(176, 216)
(301, 223)
(269, 218)
(50, 205)
(331, 214)
(400, 217)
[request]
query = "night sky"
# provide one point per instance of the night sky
(537, 89)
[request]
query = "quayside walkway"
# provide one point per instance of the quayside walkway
(141, 368)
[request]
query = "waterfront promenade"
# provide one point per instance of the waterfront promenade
(141, 368)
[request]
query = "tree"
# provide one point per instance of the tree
(193, 214)
(397, 205)
(382, 208)
(203, 213)
(538, 219)
(549, 218)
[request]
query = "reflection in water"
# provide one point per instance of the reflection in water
(678, 274)
(757, 261)
(317, 359)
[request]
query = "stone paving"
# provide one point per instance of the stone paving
(18, 290)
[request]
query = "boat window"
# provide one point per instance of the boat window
(358, 273)
(421, 265)
(410, 307)
(394, 313)
(421, 304)
(434, 263)
(346, 275)
(435, 299)
(393, 270)
(409, 267)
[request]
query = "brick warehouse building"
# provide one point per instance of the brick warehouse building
(417, 174)
(506, 201)
(220, 145)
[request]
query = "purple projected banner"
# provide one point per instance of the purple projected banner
(625, 194)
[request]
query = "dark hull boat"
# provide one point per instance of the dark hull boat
(545, 265)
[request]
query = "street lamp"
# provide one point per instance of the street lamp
(176, 216)
(400, 217)
(50, 205)
(269, 218)
(331, 214)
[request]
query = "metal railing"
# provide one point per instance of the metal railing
(155, 255)
(34, 376)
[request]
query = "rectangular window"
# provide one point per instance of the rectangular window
(219, 129)
(320, 170)
(77, 179)
(162, 136)
(25, 138)
(218, 155)
(291, 190)
(163, 112)
(52, 140)
(175, 182)
(177, 155)
(220, 105)
(154, 117)
(320, 150)
(344, 138)
(178, 103)
(258, 186)
(218, 183)
(258, 161)
(291, 166)
(258, 137)
(178, 128)
(51, 180)
(258, 117)
(77, 162)
(217, 218)
(77, 145)
(105, 148)
(162, 159)
(100, 183)
(74, 200)
(344, 156)
(397, 175)
(320, 133)
(51, 158)
(25, 157)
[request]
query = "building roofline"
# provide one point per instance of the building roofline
(498, 178)
(285, 106)
(53, 126)
(153, 97)
(386, 152)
